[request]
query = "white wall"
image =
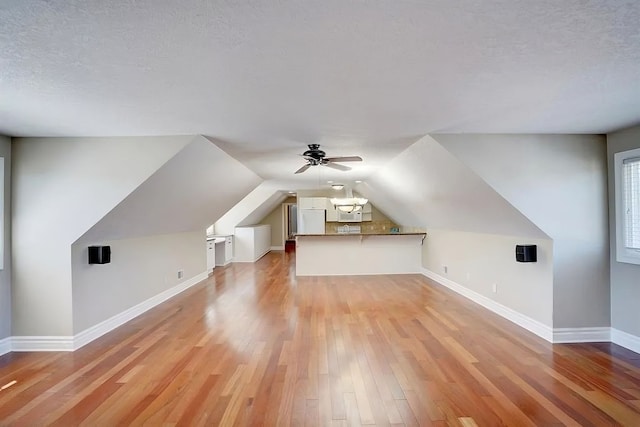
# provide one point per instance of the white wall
(61, 187)
(189, 190)
(625, 278)
(105, 189)
(358, 255)
(559, 183)
(5, 273)
(140, 268)
(428, 186)
(477, 261)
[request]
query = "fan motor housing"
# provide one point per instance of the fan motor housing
(314, 152)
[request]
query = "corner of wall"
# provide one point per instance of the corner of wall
(5, 273)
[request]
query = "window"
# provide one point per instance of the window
(627, 194)
(2, 213)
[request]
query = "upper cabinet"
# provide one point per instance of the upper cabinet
(312, 203)
(332, 212)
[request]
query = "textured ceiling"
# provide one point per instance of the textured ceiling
(263, 79)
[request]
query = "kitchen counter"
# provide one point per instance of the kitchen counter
(364, 234)
(358, 253)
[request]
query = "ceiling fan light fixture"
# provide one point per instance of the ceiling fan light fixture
(347, 208)
(316, 157)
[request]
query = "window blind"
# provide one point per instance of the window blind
(631, 190)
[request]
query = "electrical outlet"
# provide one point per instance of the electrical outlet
(445, 268)
(495, 288)
(180, 274)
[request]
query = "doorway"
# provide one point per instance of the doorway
(290, 219)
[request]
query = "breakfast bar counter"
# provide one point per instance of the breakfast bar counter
(358, 253)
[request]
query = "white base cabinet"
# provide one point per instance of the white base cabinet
(252, 242)
(224, 250)
(211, 255)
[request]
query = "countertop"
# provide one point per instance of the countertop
(216, 239)
(363, 234)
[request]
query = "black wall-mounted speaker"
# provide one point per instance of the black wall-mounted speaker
(99, 254)
(526, 253)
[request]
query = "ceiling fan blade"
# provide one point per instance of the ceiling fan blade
(303, 168)
(344, 159)
(337, 166)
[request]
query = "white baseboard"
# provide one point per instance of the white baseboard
(255, 259)
(568, 335)
(557, 335)
(277, 248)
(71, 343)
(96, 331)
(5, 345)
(519, 319)
(625, 339)
(42, 343)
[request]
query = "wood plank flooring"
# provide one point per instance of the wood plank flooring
(254, 345)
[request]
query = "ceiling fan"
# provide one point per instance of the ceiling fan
(316, 157)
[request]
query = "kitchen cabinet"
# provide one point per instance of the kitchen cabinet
(312, 203)
(211, 255)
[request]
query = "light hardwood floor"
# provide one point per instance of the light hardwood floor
(253, 345)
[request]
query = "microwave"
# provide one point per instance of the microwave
(350, 216)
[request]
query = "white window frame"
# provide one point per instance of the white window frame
(2, 213)
(623, 254)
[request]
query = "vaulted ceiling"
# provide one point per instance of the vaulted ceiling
(263, 79)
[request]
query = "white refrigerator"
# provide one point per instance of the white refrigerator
(311, 221)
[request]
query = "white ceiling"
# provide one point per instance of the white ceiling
(263, 79)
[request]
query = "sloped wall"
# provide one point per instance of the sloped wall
(625, 278)
(5, 273)
(559, 183)
(470, 227)
(61, 187)
(185, 194)
(251, 209)
(429, 187)
(155, 231)
(390, 204)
